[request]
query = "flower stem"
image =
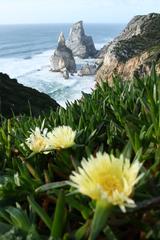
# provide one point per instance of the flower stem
(102, 212)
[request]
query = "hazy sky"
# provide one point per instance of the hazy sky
(50, 11)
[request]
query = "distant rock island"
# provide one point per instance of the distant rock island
(77, 45)
(18, 99)
(133, 51)
(62, 59)
(81, 45)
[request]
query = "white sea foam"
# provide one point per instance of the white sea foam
(35, 72)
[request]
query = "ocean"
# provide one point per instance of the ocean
(25, 52)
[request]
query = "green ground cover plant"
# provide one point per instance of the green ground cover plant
(36, 201)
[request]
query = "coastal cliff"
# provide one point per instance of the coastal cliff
(133, 51)
(17, 99)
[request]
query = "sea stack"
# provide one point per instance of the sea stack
(134, 50)
(87, 70)
(81, 45)
(62, 58)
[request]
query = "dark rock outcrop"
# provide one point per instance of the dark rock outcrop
(17, 99)
(62, 57)
(81, 45)
(134, 50)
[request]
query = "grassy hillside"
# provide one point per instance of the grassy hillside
(120, 120)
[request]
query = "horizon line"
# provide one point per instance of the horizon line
(50, 23)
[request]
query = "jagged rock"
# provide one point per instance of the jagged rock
(132, 52)
(87, 70)
(62, 57)
(65, 74)
(18, 99)
(81, 45)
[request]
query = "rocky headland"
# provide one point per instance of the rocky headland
(18, 99)
(133, 51)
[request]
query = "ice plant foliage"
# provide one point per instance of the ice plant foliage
(61, 137)
(37, 140)
(106, 177)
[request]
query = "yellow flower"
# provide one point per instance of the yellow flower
(61, 137)
(37, 140)
(105, 177)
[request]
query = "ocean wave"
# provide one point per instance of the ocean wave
(20, 53)
(19, 45)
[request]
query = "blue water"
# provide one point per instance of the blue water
(25, 52)
(28, 40)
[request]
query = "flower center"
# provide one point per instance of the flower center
(40, 143)
(111, 183)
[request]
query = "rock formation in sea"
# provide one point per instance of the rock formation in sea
(87, 70)
(62, 57)
(133, 51)
(81, 45)
(17, 99)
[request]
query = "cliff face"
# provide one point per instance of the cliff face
(18, 99)
(134, 50)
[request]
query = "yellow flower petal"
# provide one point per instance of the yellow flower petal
(107, 177)
(37, 140)
(61, 137)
